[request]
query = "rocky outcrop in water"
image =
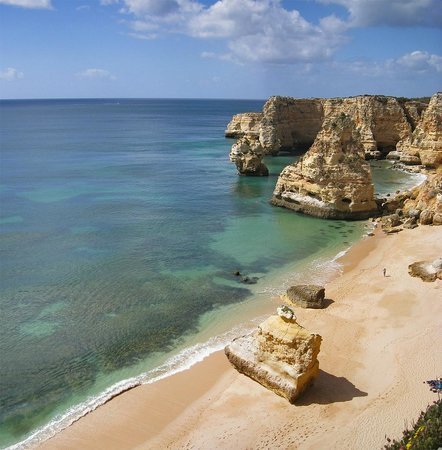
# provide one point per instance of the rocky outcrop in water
(289, 124)
(306, 296)
(332, 180)
(424, 146)
(281, 355)
(247, 154)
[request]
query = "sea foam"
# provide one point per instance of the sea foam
(180, 362)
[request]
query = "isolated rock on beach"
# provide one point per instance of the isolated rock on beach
(332, 180)
(427, 271)
(281, 355)
(306, 296)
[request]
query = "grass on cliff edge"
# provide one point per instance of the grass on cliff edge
(426, 434)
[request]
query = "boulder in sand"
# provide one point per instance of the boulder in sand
(281, 355)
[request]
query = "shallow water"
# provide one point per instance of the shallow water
(122, 223)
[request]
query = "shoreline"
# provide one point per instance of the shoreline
(320, 267)
(174, 412)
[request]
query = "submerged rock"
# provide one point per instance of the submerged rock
(332, 180)
(306, 295)
(281, 355)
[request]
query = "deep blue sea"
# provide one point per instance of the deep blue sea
(122, 224)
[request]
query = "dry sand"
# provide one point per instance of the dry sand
(381, 340)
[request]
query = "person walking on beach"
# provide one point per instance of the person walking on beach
(384, 271)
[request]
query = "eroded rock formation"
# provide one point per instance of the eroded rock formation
(424, 146)
(332, 180)
(281, 355)
(247, 154)
(293, 124)
(244, 124)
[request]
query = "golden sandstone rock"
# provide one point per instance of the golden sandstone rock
(281, 355)
(332, 180)
(425, 144)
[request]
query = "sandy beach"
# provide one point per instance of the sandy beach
(381, 340)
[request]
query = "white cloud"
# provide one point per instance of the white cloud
(260, 31)
(34, 4)
(96, 73)
(413, 64)
(421, 62)
(11, 74)
(392, 12)
(264, 31)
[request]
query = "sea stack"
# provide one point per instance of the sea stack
(247, 154)
(332, 180)
(281, 355)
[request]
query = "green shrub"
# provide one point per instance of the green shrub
(426, 434)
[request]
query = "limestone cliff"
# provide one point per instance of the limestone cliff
(332, 180)
(290, 123)
(381, 121)
(281, 355)
(414, 110)
(247, 154)
(244, 124)
(425, 144)
(293, 124)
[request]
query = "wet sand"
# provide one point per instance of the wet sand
(380, 343)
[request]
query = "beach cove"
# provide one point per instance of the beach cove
(106, 314)
(380, 339)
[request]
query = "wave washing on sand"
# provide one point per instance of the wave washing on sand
(317, 271)
(184, 360)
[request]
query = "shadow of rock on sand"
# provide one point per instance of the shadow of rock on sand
(328, 389)
(327, 302)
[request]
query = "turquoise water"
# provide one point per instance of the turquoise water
(121, 225)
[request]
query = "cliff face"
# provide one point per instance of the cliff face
(381, 121)
(332, 180)
(424, 146)
(244, 124)
(281, 355)
(293, 124)
(290, 123)
(414, 110)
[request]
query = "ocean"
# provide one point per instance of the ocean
(122, 223)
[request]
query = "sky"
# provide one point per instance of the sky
(248, 49)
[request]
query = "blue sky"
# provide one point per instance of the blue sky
(219, 49)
